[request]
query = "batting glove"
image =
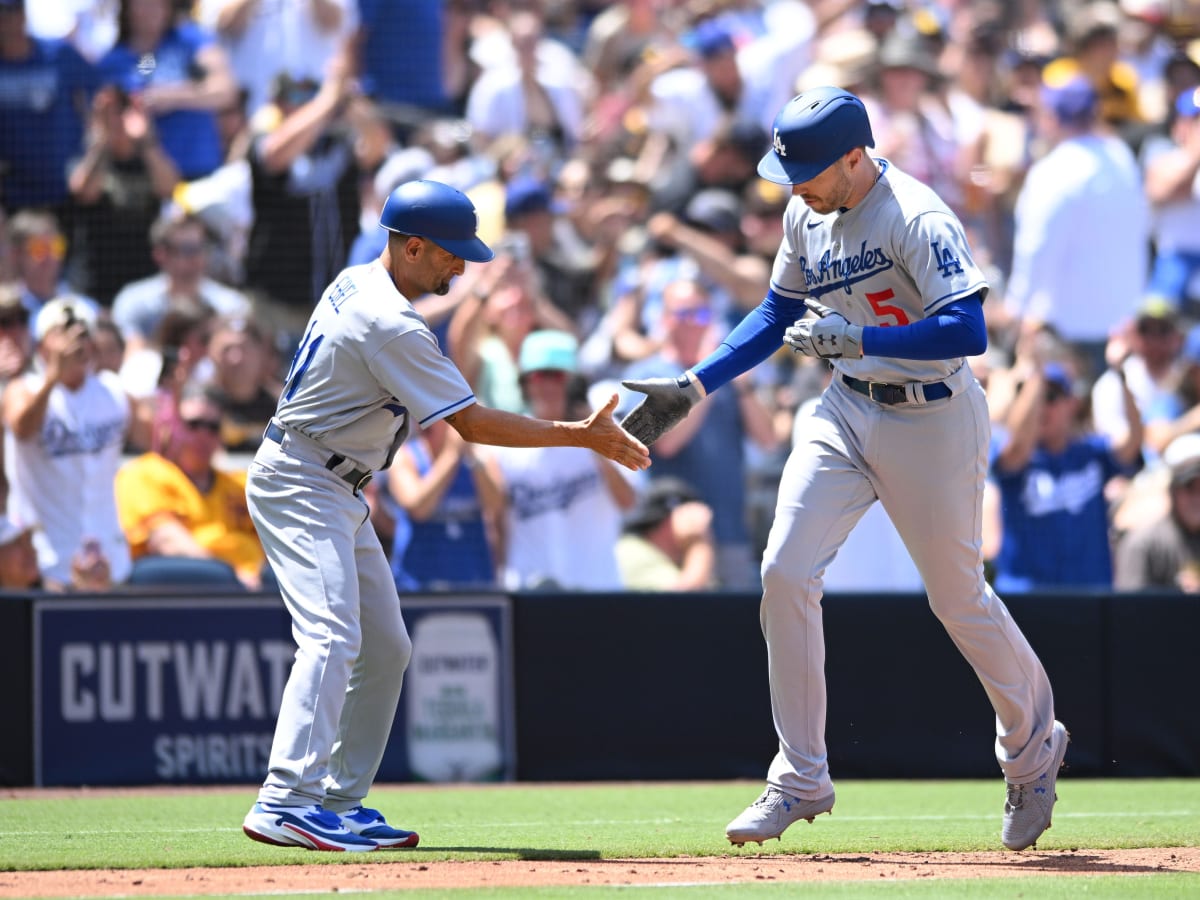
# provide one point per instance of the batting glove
(667, 403)
(829, 337)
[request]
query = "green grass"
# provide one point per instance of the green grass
(602, 821)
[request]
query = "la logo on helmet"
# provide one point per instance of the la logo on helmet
(778, 144)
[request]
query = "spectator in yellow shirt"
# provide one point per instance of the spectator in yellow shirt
(176, 502)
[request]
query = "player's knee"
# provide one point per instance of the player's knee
(785, 579)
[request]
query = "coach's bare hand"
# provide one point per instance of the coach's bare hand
(609, 439)
(668, 401)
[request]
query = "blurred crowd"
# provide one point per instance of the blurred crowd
(179, 181)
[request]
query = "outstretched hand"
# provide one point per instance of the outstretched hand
(609, 439)
(667, 402)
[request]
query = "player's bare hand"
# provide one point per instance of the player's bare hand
(609, 439)
(667, 402)
(829, 336)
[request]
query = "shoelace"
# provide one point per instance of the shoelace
(1016, 796)
(769, 798)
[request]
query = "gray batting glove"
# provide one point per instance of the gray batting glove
(829, 337)
(668, 401)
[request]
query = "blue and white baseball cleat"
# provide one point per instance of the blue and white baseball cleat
(311, 827)
(370, 823)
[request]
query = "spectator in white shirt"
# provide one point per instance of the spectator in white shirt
(1082, 229)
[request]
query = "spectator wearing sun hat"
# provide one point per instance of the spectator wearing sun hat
(65, 429)
(667, 543)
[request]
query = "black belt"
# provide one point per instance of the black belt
(356, 478)
(891, 394)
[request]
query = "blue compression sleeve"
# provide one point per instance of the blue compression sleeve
(957, 329)
(754, 338)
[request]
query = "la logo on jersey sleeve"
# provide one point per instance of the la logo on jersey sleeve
(946, 259)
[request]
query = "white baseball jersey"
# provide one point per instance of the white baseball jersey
(367, 367)
(562, 522)
(897, 257)
(62, 478)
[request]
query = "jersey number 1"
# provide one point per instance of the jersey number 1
(307, 349)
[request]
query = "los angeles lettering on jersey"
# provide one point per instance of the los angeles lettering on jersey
(831, 272)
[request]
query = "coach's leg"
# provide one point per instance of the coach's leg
(312, 555)
(374, 689)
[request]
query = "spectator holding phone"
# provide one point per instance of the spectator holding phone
(65, 427)
(178, 74)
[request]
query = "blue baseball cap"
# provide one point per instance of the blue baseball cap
(1187, 104)
(438, 213)
(1057, 374)
(1073, 102)
(710, 38)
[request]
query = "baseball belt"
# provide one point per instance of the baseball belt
(356, 478)
(891, 394)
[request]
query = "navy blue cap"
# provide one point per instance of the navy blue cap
(812, 132)
(1057, 374)
(526, 194)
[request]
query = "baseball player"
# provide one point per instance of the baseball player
(885, 266)
(366, 370)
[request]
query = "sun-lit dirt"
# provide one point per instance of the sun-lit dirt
(394, 872)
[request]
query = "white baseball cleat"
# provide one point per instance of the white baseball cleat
(770, 815)
(1028, 807)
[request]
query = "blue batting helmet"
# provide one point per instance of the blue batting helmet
(439, 213)
(812, 132)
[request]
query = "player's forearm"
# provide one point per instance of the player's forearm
(955, 330)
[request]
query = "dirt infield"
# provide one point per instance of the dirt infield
(402, 874)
